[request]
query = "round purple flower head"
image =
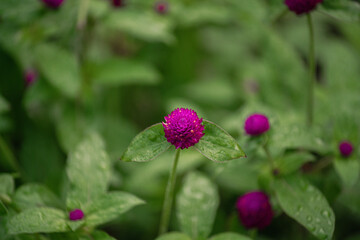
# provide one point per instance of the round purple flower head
(302, 6)
(254, 210)
(118, 3)
(161, 7)
(30, 76)
(256, 124)
(345, 148)
(183, 128)
(76, 215)
(53, 3)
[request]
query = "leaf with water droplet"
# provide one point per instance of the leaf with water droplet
(348, 170)
(197, 203)
(217, 145)
(295, 193)
(38, 220)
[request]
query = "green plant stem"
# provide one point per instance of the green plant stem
(82, 14)
(8, 155)
(311, 60)
(268, 156)
(253, 233)
(169, 196)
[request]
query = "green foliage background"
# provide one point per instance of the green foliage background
(131, 66)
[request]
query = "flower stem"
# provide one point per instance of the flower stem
(253, 233)
(268, 156)
(82, 14)
(169, 196)
(311, 60)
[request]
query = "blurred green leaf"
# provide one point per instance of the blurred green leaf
(117, 72)
(38, 220)
(173, 236)
(197, 203)
(348, 170)
(229, 236)
(35, 195)
(100, 235)
(88, 170)
(60, 68)
(147, 26)
(343, 10)
(147, 145)
(218, 145)
(4, 105)
(110, 206)
(307, 205)
(292, 162)
(6, 187)
(19, 11)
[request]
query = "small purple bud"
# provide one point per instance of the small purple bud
(345, 148)
(161, 7)
(76, 215)
(183, 128)
(254, 210)
(53, 3)
(276, 172)
(118, 3)
(256, 124)
(30, 77)
(302, 6)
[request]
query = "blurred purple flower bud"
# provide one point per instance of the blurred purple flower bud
(31, 76)
(256, 124)
(254, 210)
(161, 7)
(76, 215)
(183, 128)
(53, 3)
(118, 3)
(345, 148)
(302, 6)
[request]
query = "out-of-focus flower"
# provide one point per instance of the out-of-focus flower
(256, 124)
(76, 215)
(53, 3)
(302, 6)
(30, 76)
(161, 7)
(345, 148)
(254, 210)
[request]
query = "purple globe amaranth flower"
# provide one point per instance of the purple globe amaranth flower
(30, 76)
(53, 3)
(76, 215)
(254, 210)
(345, 148)
(302, 6)
(183, 128)
(118, 3)
(256, 124)
(161, 7)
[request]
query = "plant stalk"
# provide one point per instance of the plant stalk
(311, 61)
(169, 196)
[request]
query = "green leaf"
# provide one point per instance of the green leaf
(147, 26)
(197, 203)
(35, 220)
(88, 171)
(173, 236)
(7, 184)
(35, 195)
(4, 105)
(292, 162)
(60, 68)
(147, 145)
(307, 205)
(217, 145)
(229, 236)
(348, 170)
(100, 235)
(109, 207)
(116, 72)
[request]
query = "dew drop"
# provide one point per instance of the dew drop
(325, 213)
(309, 218)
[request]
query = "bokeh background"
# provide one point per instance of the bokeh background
(130, 66)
